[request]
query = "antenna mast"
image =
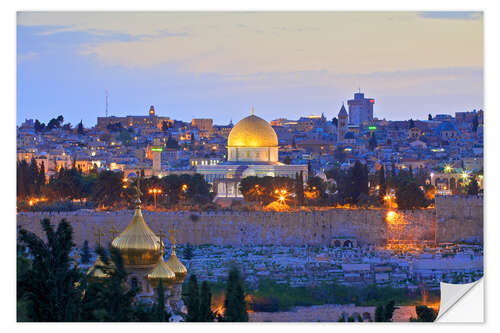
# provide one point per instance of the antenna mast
(106, 103)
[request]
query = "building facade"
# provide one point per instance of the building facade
(360, 109)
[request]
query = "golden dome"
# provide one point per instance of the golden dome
(177, 267)
(138, 244)
(252, 131)
(96, 271)
(161, 272)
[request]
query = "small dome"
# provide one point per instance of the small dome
(252, 131)
(177, 267)
(96, 272)
(161, 272)
(138, 244)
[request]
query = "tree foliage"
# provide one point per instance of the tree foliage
(50, 285)
(424, 314)
(234, 303)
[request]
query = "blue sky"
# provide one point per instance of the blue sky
(219, 64)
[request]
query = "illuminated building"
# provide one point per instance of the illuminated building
(149, 121)
(156, 150)
(360, 109)
(252, 150)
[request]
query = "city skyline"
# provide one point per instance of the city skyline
(219, 64)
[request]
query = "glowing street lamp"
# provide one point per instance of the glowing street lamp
(154, 192)
(448, 168)
(184, 187)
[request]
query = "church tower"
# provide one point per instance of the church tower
(342, 124)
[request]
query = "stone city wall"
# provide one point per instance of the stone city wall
(235, 228)
(457, 218)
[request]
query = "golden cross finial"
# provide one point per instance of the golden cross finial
(138, 188)
(172, 236)
(76, 256)
(161, 235)
(252, 111)
(98, 233)
(114, 231)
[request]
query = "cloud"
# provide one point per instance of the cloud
(246, 43)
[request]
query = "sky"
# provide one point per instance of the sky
(220, 64)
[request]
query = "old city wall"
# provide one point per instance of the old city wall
(237, 228)
(454, 219)
(459, 218)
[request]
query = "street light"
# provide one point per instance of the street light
(155, 191)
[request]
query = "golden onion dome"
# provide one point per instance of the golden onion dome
(252, 131)
(96, 272)
(161, 272)
(138, 244)
(177, 267)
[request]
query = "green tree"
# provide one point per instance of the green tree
(429, 117)
(379, 314)
(51, 286)
(191, 298)
(206, 314)
(389, 310)
(85, 255)
(110, 299)
(335, 122)
(472, 187)
(424, 314)
(410, 196)
(80, 128)
(107, 188)
(159, 313)
(234, 303)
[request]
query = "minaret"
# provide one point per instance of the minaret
(342, 124)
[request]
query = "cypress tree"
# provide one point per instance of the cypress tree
(379, 314)
(192, 300)
(159, 313)
(33, 178)
(206, 314)
(234, 304)
(388, 311)
(85, 256)
(41, 175)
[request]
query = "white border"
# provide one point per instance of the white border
(8, 89)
